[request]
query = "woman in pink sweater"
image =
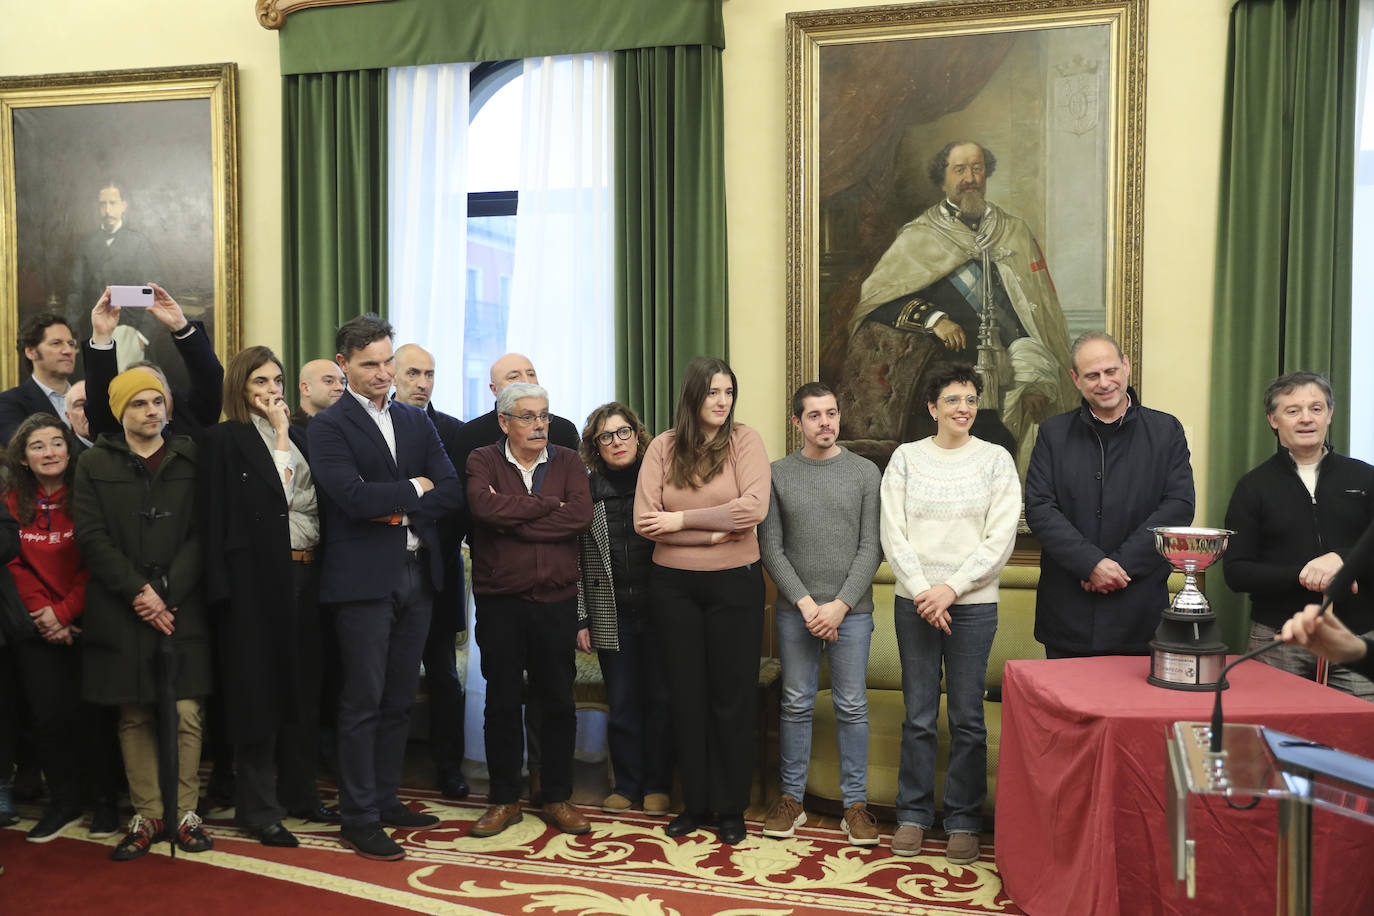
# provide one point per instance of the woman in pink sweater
(703, 487)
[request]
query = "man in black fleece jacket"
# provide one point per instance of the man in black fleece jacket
(1296, 517)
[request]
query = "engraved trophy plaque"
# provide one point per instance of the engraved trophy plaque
(1187, 652)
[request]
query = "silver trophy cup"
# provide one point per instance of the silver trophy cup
(1190, 551)
(1187, 652)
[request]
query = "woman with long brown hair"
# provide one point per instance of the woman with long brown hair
(261, 527)
(703, 488)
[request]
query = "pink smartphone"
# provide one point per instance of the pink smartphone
(131, 297)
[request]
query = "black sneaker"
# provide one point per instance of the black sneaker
(401, 816)
(371, 842)
(53, 822)
(191, 836)
(104, 822)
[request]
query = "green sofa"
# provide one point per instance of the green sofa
(1015, 639)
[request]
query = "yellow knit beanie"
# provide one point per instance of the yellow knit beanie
(129, 383)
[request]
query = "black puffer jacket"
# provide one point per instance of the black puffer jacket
(1095, 490)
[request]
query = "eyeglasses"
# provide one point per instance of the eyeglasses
(611, 435)
(954, 400)
(529, 419)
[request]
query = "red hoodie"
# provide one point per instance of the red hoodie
(49, 569)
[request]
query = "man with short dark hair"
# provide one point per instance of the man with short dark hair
(414, 386)
(821, 544)
(1295, 518)
(46, 341)
(1100, 477)
(529, 499)
(385, 480)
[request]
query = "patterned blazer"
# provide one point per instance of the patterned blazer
(596, 587)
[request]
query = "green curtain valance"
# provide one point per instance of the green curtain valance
(409, 32)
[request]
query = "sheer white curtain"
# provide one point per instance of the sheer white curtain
(427, 130)
(561, 291)
(1361, 408)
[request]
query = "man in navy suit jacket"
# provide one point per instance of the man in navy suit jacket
(47, 343)
(385, 480)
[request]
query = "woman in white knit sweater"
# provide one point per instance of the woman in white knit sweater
(949, 509)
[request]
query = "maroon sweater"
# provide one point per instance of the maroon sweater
(525, 544)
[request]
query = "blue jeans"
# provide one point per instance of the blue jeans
(801, 663)
(964, 654)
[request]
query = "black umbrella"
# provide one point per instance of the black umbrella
(167, 728)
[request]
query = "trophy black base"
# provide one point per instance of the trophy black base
(1186, 653)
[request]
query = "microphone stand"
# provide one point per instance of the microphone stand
(1217, 723)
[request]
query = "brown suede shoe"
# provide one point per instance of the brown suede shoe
(962, 849)
(860, 825)
(566, 818)
(496, 819)
(907, 840)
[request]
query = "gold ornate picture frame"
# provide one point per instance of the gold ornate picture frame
(1055, 90)
(163, 145)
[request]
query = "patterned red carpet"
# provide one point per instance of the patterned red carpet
(624, 866)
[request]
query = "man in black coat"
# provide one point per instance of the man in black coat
(1100, 478)
(1295, 519)
(200, 403)
(46, 341)
(385, 481)
(415, 386)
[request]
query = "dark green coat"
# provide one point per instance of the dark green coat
(134, 529)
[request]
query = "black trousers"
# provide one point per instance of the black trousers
(516, 636)
(446, 714)
(276, 773)
(380, 644)
(76, 741)
(713, 623)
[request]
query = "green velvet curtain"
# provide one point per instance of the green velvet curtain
(1284, 236)
(404, 33)
(334, 207)
(670, 221)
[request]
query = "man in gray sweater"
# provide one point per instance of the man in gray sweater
(821, 544)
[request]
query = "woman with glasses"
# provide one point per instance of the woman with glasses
(261, 526)
(950, 504)
(613, 595)
(702, 490)
(51, 577)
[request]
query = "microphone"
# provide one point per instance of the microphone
(1339, 586)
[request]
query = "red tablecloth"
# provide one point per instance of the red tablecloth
(1083, 777)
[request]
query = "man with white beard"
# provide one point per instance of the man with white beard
(930, 282)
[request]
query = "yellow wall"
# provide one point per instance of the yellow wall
(62, 36)
(1186, 59)
(1185, 65)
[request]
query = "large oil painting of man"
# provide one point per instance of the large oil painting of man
(964, 185)
(121, 178)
